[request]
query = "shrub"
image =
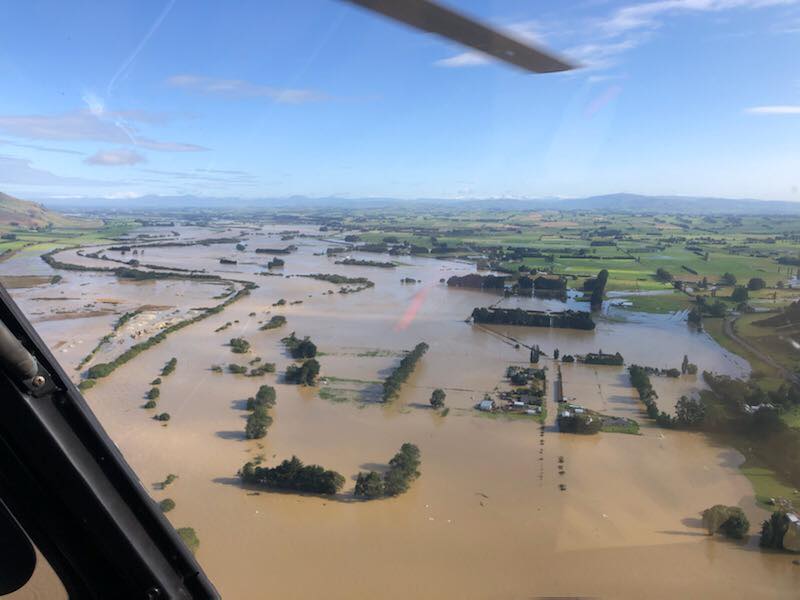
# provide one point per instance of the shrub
(437, 398)
(239, 345)
(162, 417)
(169, 367)
(189, 537)
(305, 374)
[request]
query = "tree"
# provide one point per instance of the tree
(739, 294)
(437, 398)
(728, 520)
(257, 423)
(166, 505)
(369, 485)
(685, 364)
(663, 275)
(239, 345)
(599, 289)
(728, 279)
(756, 283)
(189, 537)
(773, 530)
(305, 374)
(689, 412)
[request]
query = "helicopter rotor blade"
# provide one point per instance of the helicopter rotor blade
(432, 17)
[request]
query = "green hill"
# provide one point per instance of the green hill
(21, 213)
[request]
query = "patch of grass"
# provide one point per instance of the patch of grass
(766, 484)
(632, 428)
(662, 303)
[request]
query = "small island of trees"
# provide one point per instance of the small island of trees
(402, 471)
(304, 374)
(293, 475)
(298, 348)
(275, 322)
(259, 419)
(239, 345)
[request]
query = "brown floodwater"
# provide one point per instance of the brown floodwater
(487, 518)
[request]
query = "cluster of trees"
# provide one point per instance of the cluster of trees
(169, 367)
(765, 433)
(259, 419)
(366, 263)
(403, 469)
(304, 374)
(568, 319)
(474, 280)
(599, 358)
(688, 368)
(773, 530)
(340, 279)
(274, 322)
(728, 520)
(298, 348)
(755, 284)
(239, 345)
(584, 423)
(391, 386)
(293, 475)
(599, 289)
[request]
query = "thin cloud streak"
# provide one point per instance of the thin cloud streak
(115, 158)
(239, 88)
(84, 125)
(786, 109)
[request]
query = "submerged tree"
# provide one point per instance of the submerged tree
(437, 398)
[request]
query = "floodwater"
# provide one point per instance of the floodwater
(487, 518)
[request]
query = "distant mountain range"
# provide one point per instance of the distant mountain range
(619, 203)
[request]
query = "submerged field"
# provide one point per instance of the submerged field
(488, 517)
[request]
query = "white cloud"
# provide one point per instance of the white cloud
(239, 88)
(83, 125)
(646, 15)
(464, 59)
(18, 171)
(40, 148)
(115, 158)
(785, 109)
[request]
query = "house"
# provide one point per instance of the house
(486, 405)
(791, 540)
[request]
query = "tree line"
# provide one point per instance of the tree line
(391, 387)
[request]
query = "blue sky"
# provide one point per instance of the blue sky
(320, 98)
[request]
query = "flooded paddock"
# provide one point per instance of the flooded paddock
(488, 517)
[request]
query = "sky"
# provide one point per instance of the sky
(272, 99)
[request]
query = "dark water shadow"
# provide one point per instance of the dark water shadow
(685, 533)
(236, 482)
(693, 522)
(419, 405)
(231, 435)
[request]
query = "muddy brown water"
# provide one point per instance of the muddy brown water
(487, 518)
